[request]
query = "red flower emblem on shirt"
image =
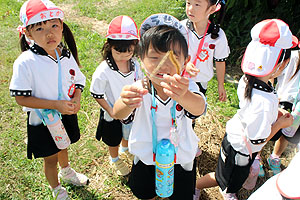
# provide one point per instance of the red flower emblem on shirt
(212, 46)
(178, 107)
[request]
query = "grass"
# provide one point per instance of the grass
(24, 179)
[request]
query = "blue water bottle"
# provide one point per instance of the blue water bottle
(164, 168)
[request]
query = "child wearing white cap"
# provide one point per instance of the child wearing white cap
(47, 76)
(287, 88)
(162, 106)
(256, 121)
(118, 68)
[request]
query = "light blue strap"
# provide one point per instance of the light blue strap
(154, 130)
(59, 77)
(174, 123)
(39, 114)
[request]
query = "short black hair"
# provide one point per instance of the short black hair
(162, 38)
(119, 45)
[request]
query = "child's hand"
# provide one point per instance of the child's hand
(222, 93)
(191, 70)
(132, 96)
(285, 120)
(76, 105)
(175, 86)
(65, 107)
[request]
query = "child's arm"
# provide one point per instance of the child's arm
(63, 106)
(176, 87)
(130, 98)
(104, 105)
(220, 71)
(76, 100)
(284, 121)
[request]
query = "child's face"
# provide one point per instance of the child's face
(152, 59)
(122, 56)
(198, 10)
(279, 68)
(47, 35)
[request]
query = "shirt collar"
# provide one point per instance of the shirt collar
(190, 26)
(266, 87)
(112, 64)
(40, 51)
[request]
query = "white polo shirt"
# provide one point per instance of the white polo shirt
(254, 119)
(286, 87)
(218, 50)
(108, 81)
(140, 139)
(35, 73)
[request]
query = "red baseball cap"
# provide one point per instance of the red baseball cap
(269, 37)
(122, 28)
(34, 11)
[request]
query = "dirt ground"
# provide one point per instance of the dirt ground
(208, 128)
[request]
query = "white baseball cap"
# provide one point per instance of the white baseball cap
(163, 19)
(288, 180)
(122, 28)
(269, 38)
(34, 11)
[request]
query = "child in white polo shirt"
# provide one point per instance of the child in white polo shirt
(207, 43)
(47, 76)
(118, 68)
(256, 121)
(287, 88)
(162, 105)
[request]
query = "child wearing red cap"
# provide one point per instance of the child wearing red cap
(47, 76)
(117, 69)
(256, 122)
(287, 88)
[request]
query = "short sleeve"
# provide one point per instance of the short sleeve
(21, 81)
(258, 126)
(222, 49)
(98, 84)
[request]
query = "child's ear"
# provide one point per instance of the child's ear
(212, 9)
(28, 35)
(188, 59)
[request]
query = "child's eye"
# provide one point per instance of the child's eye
(39, 29)
(54, 25)
(197, 4)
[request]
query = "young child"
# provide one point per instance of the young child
(176, 100)
(117, 69)
(287, 89)
(284, 185)
(47, 76)
(256, 121)
(207, 43)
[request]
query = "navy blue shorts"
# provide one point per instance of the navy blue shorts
(40, 142)
(142, 181)
(109, 132)
(228, 174)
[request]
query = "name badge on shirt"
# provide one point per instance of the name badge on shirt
(203, 55)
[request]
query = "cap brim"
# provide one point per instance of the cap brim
(260, 60)
(295, 41)
(122, 36)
